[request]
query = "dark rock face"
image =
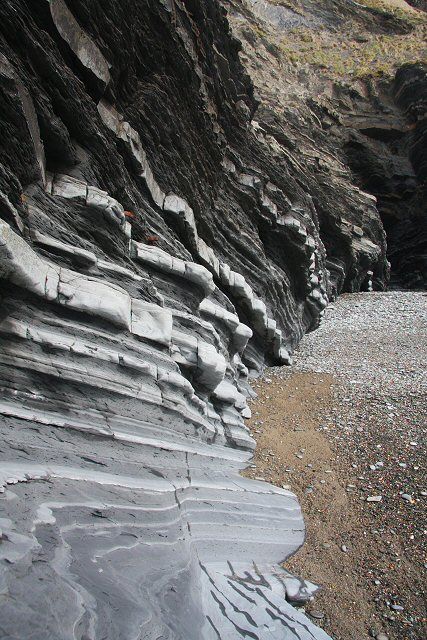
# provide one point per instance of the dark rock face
(386, 148)
(159, 242)
(347, 124)
(410, 93)
(419, 4)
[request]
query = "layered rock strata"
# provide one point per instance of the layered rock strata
(332, 99)
(385, 143)
(157, 247)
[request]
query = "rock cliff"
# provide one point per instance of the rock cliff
(162, 238)
(326, 78)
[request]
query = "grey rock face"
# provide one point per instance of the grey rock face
(153, 254)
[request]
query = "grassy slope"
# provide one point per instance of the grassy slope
(373, 39)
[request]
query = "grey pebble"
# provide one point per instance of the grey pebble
(317, 615)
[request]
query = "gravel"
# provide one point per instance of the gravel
(374, 345)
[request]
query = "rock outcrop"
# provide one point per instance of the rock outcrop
(385, 141)
(160, 241)
(336, 101)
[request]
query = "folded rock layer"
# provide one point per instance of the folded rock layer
(156, 249)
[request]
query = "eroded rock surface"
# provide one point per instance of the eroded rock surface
(331, 97)
(157, 246)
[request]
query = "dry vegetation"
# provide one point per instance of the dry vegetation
(398, 8)
(356, 52)
(370, 55)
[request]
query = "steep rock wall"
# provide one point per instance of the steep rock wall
(325, 73)
(385, 146)
(157, 245)
(410, 93)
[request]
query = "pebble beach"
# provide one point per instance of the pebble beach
(344, 428)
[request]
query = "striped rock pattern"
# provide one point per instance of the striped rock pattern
(153, 256)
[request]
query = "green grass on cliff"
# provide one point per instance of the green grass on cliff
(367, 55)
(397, 8)
(371, 38)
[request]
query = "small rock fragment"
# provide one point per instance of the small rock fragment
(317, 615)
